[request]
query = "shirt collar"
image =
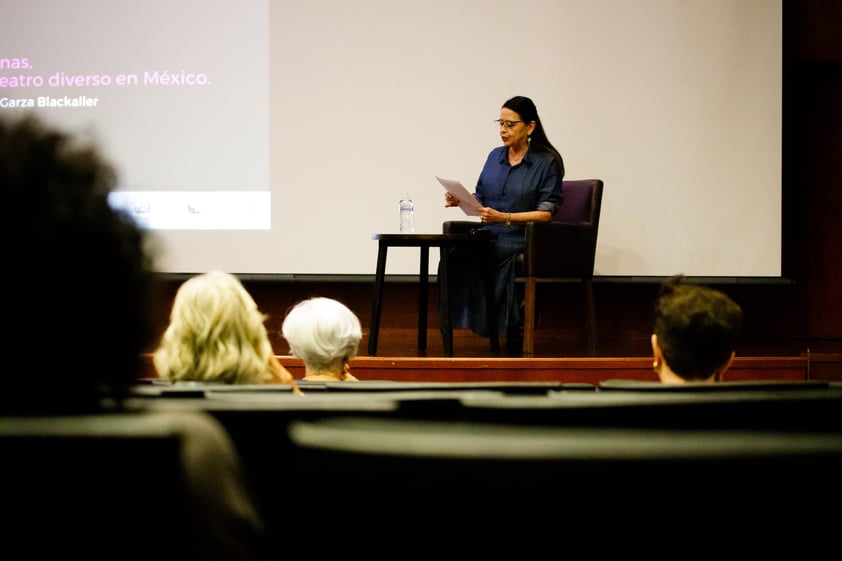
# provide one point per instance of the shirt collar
(504, 156)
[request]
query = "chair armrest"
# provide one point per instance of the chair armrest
(459, 226)
(556, 249)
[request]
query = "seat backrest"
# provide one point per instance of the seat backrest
(92, 487)
(432, 462)
(565, 247)
(123, 485)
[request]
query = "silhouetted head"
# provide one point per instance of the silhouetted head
(79, 280)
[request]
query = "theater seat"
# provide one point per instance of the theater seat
(114, 486)
(491, 488)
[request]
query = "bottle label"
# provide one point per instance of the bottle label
(406, 208)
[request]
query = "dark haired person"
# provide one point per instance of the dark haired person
(73, 260)
(520, 182)
(695, 332)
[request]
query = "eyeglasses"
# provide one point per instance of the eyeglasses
(507, 124)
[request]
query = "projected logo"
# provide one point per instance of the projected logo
(196, 210)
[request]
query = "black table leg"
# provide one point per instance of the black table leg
(491, 300)
(377, 299)
(423, 283)
(444, 295)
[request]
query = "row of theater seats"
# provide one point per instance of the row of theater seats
(748, 405)
(396, 469)
(494, 462)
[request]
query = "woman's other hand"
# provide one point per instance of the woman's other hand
(346, 374)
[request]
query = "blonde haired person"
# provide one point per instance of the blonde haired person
(325, 334)
(217, 334)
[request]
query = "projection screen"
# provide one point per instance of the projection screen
(276, 136)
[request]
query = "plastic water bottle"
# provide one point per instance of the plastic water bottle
(407, 211)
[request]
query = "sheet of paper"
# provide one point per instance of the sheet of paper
(467, 202)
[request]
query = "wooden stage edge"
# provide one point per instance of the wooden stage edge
(825, 367)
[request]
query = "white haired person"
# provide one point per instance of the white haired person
(325, 334)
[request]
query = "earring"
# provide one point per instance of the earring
(656, 365)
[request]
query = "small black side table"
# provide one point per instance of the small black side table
(481, 239)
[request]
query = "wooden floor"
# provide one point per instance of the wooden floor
(404, 342)
(549, 343)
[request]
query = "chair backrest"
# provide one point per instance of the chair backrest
(582, 202)
(566, 247)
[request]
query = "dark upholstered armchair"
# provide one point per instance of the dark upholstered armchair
(558, 251)
(563, 249)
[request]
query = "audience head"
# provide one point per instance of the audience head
(216, 334)
(72, 260)
(695, 332)
(324, 333)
